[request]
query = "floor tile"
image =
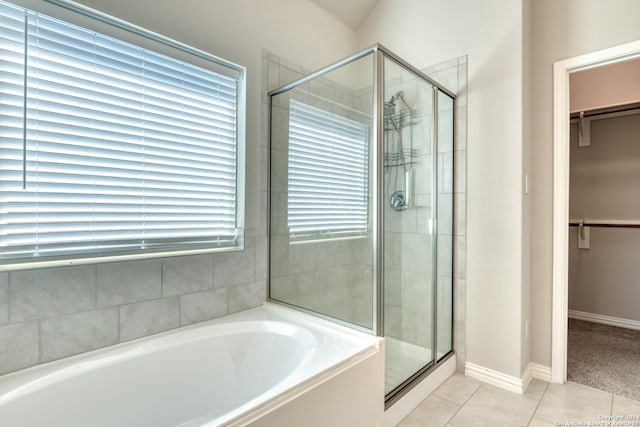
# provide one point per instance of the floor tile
(537, 422)
(573, 402)
(432, 412)
(625, 406)
(536, 389)
(458, 388)
(543, 405)
(494, 407)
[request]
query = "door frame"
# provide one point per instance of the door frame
(560, 308)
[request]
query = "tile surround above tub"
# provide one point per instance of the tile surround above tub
(4, 298)
(19, 346)
(243, 297)
(182, 275)
(39, 294)
(76, 333)
(114, 282)
(235, 268)
(201, 306)
(53, 313)
(149, 317)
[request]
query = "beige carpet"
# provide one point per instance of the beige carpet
(604, 357)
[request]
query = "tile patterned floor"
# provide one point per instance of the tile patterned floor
(464, 402)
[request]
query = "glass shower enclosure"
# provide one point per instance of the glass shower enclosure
(361, 206)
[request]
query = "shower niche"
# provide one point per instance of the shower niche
(361, 206)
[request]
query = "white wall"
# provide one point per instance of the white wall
(560, 30)
(525, 356)
(490, 32)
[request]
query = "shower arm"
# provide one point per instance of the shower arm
(400, 95)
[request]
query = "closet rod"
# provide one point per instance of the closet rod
(607, 112)
(601, 223)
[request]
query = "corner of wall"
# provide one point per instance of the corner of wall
(525, 319)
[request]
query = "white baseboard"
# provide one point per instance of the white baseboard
(498, 379)
(605, 320)
(540, 372)
(508, 382)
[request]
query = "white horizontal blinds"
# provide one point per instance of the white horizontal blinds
(12, 67)
(328, 174)
(127, 150)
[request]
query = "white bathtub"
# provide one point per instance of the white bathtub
(267, 366)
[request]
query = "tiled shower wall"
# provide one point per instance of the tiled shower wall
(452, 74)
(408, 245)
(408, 242)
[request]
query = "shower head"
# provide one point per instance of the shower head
(398, 95)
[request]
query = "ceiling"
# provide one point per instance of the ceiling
(350, 12)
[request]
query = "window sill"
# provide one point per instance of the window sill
(30, 264)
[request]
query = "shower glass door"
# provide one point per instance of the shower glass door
(409, 238)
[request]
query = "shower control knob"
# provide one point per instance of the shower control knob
(398, 201)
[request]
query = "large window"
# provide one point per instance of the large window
(328, 174)
(109, 148)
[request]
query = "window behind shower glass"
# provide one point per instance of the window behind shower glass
(328, 174)
(114, 142)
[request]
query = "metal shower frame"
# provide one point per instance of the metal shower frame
(379, 53)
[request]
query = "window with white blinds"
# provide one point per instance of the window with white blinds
(328, 174)
(108, 148)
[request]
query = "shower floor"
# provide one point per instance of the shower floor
(402, 359)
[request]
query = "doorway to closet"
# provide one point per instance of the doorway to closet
(603, 340)
(561, 147)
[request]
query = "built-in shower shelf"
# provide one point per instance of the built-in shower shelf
(403, 158)
(397, 121)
